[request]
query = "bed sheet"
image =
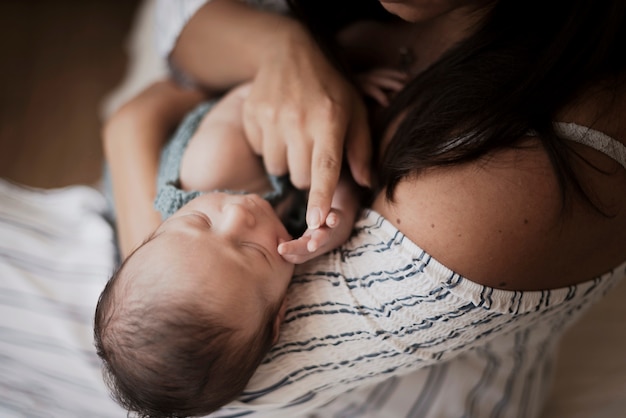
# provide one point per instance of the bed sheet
(56, 253)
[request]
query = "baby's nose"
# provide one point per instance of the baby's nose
(239, 217)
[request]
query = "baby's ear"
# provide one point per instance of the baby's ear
(278, 321)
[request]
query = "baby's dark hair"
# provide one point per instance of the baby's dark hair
(174, 359)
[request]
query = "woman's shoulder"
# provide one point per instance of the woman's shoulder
(500, 221)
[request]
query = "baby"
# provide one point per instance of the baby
(190, 314)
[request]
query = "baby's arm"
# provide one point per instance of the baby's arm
(219, 155)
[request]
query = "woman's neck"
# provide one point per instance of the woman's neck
(428, 41)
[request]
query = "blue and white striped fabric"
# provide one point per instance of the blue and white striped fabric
(381, 307)
(56, 253)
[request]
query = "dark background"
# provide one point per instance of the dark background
(58, 60)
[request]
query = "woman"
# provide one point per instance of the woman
(493, 227)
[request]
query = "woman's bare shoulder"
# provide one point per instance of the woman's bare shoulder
(499, 221)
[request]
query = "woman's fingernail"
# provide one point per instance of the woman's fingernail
(313, 218)
(366, 180)
(332, 220)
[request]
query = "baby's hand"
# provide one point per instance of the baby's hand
(315, 242)
(382, 83)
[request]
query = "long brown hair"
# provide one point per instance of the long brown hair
(527, 61)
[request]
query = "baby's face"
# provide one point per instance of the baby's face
(221, 248)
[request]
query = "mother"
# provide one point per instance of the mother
(501, 211)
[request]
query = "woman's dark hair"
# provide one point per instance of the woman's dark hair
(525, 63)
(325, 18)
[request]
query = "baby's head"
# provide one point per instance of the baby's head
(188, 317)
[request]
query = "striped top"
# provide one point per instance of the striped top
(415, 339)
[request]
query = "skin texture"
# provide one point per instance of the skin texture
(499, 221)
(427, 10)
(132, 139)
(301, 114)
(501, 216)
(208, 161)
(221, 248)
(219, 156)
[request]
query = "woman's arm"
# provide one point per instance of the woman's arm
(133, 138)
(225, 42)
(301, 114)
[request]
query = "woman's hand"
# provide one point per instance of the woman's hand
(336, 230)
(381, 84)
(300, 115)
(315, 242)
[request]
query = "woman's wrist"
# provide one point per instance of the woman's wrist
(289, 41)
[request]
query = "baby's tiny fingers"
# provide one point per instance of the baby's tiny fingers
(294, 247)
(332, 220)
(319, 238)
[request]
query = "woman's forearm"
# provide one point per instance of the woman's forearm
(133, 138)
(226, 41)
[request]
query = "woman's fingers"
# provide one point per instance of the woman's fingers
(375, 93)
(386, 83)
(381, 83)
(297, 116)
(389, 73)
(251, 126)
(299, 160)
(326, 162)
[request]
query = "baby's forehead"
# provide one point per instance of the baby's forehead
(148, 267)
(163, 262)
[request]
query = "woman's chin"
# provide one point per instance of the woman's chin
(408, 12)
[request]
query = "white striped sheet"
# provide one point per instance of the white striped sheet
(57, 284)
(56, 254)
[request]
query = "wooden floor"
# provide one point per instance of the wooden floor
(59, 58)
